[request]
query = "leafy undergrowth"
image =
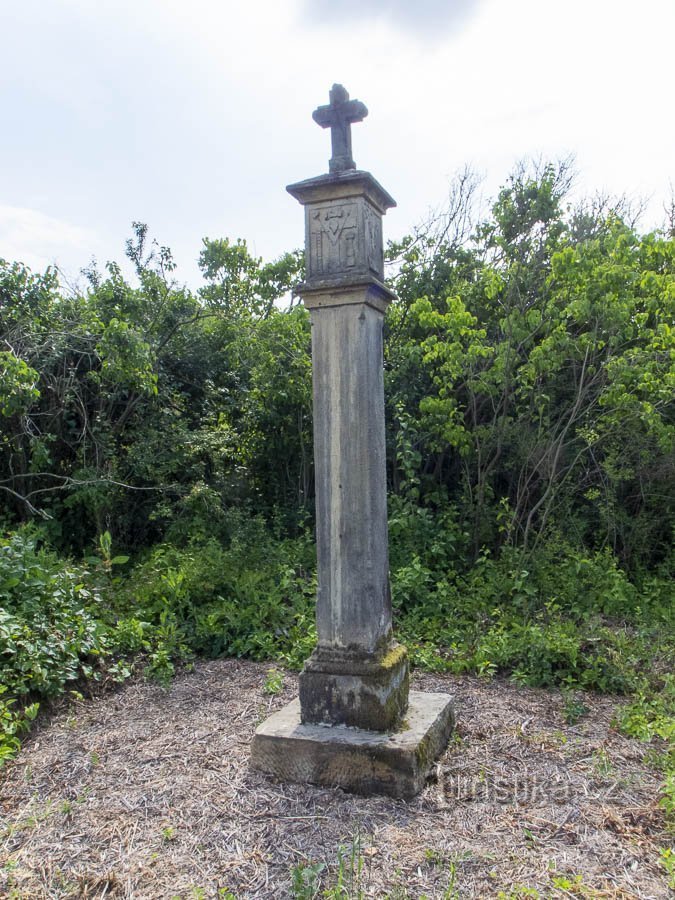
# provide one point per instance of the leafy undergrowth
(64, 626)
(51, 632)
(557, 619)
(650, 717)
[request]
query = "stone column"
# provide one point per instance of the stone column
(381, 737)
(357, 675)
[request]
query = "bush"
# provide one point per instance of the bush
(651, 716)
(253, 598)
(554, 617)
(51, 632)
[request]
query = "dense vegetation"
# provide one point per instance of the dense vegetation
(156, 457)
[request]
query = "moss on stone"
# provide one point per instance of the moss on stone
(393, 657)
(375, 699)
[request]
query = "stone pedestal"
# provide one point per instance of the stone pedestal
(363, 762)
(356, 681)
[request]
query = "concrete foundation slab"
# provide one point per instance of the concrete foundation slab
(362, 762)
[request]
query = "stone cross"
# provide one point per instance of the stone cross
(356, 725)
(338, 116)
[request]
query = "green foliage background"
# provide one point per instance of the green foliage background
(156, 455)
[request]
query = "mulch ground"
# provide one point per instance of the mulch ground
(147, 793)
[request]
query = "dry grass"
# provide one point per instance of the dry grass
(147, 793)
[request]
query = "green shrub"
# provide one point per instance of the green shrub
(651, 717)
(51, 632)
(253, 598)
(556, 617)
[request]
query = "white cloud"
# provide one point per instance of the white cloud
(39, 240)
(193, 117)
(428, 18)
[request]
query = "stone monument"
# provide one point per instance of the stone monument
(355, 725)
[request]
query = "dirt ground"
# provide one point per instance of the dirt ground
(147, 793)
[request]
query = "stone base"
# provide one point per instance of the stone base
(350, 687)
(362, 762)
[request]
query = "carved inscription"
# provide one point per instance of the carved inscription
(333, 239)
(374, 249)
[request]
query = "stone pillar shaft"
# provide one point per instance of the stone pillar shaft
(357, 675)
(353, 604)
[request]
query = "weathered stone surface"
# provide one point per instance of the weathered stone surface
(350, 290)
(352, 725)
(362, 762)
(356, 183)
(357, 676)
(339, 115)
(363, 690)
(353, 600)
(343, 227)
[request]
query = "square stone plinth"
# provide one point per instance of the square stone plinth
(362, 762)
(368, 691)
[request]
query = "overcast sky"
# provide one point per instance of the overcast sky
(193, 116)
